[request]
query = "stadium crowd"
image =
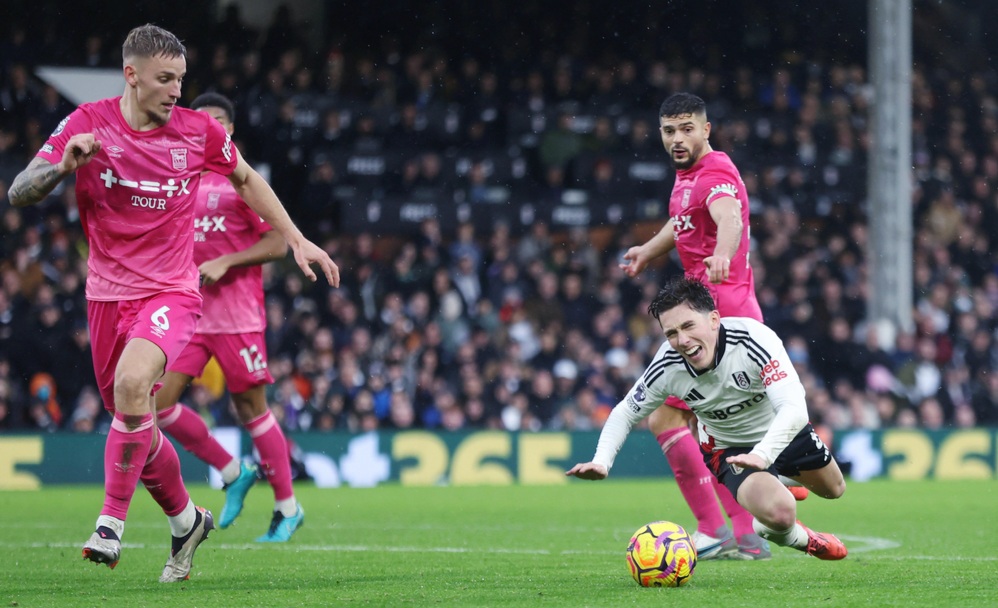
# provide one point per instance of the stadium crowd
(528, 327)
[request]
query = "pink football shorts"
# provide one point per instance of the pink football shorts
(168, 320)
(735, 300)
(242, 357)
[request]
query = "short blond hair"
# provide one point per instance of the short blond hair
(151, 41)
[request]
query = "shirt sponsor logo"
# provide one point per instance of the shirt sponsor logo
(214, 223)
(725, 412)
(170, 188)
(179, 158)
(742, 380)
(771, 373)
(62, 125)
(682, 222)
(47, 149)
(148, 202)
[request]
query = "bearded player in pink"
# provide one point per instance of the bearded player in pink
(709, 226)
(230, 244)
(138, 161)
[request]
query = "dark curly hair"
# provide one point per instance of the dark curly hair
(215, 100)
(679, 290)
(680, 104)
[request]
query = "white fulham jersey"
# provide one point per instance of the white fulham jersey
(751, 398)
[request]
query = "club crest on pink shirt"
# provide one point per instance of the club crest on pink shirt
(179, 158)
(212, 202)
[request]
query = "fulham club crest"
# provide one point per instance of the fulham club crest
(179, 158)
(742, 380)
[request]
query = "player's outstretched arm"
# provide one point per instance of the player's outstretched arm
(637, 258)
(40, 177)
(727, 214)
(261, 198)
(588, 470)
(307, 253)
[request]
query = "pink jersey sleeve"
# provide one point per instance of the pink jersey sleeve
(219, 154)
(719, 179)
(259, 224)
(714, 177)
(77, 122)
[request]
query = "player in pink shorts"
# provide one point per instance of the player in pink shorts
(230, 244)
(709, 226)
(138, 160)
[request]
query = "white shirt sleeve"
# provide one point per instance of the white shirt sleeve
(618, 425)
(640, 401)
(791, 416)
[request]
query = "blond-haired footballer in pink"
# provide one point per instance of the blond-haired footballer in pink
(230, 243)
(138, 160)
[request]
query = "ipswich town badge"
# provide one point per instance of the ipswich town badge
(179, 158)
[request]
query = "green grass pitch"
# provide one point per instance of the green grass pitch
(912, 544)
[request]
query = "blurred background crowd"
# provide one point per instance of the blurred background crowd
(530, 325)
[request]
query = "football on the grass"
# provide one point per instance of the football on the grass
(661, 554)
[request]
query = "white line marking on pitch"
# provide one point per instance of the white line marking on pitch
(865, 544)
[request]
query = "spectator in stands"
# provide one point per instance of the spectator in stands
(561, 145)
(802, 209)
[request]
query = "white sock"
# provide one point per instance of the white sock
(790, 483)
(115, 524)
(795, 536)
(288, 507)
(230, 471)
(183, 522)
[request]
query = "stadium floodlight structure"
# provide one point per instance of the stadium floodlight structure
(889, 191)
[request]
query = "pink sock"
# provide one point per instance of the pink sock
(273, 447)
(693, 478)
(125, 453)
(741, 520)
(184, 425)
(161, 477)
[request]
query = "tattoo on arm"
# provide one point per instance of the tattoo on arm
(33, 184)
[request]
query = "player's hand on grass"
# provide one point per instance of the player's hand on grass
(747, 461)
(308, 253)
(588, 470)
(79, 150)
